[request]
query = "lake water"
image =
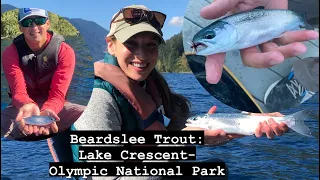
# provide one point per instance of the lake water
(290, 156)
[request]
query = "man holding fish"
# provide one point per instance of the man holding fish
(270, 52)
(38, 66)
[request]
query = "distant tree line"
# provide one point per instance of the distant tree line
(10, 27)
(171, 56)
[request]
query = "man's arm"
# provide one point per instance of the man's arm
(61, 79)
(15, 78)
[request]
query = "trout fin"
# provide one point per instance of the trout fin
(296, 122)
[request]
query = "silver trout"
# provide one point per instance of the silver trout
(246, 29)
(39, 120)
(245, 124)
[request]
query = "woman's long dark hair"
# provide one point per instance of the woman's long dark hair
(176, 106)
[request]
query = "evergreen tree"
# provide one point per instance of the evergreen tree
(171, 56)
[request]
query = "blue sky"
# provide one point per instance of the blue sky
(101, 11)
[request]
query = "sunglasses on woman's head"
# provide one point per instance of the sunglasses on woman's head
(135, 16)
(38, 21)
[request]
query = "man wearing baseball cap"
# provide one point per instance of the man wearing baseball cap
(38, 66)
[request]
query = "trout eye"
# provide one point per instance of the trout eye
(209, 36)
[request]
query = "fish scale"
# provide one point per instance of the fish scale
(262, 26)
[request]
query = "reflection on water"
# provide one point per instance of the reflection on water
(82, 82)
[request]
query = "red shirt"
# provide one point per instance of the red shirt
(60, 81)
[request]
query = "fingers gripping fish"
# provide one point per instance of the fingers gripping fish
(245, 124)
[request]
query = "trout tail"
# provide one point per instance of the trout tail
(296, 120)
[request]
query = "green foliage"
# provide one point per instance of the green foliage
(171, 56)
(62, 26)
(10, 26)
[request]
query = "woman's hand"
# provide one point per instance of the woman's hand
(271, 127)
(219, 137)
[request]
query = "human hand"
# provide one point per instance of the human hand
(223, 135)
(32, 109)
(27, 110)
(45, 130)
(271, 54)
(271, 129)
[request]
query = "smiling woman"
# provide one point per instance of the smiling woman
(129, 94)
(128, 72)
(146, 47)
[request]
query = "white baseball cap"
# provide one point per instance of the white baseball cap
(27, 12)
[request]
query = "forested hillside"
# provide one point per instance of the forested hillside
(171, 56)
(10, 27)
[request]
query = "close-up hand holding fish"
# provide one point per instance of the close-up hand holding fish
(277, 31)
(39, 120)
(31, 121)
(221, 128)
(246, 124)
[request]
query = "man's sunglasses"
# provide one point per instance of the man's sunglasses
(38, 21)
(135, 16)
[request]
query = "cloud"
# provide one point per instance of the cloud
(176, 21)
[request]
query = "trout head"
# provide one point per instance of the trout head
(215, 38)
(199, 121)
